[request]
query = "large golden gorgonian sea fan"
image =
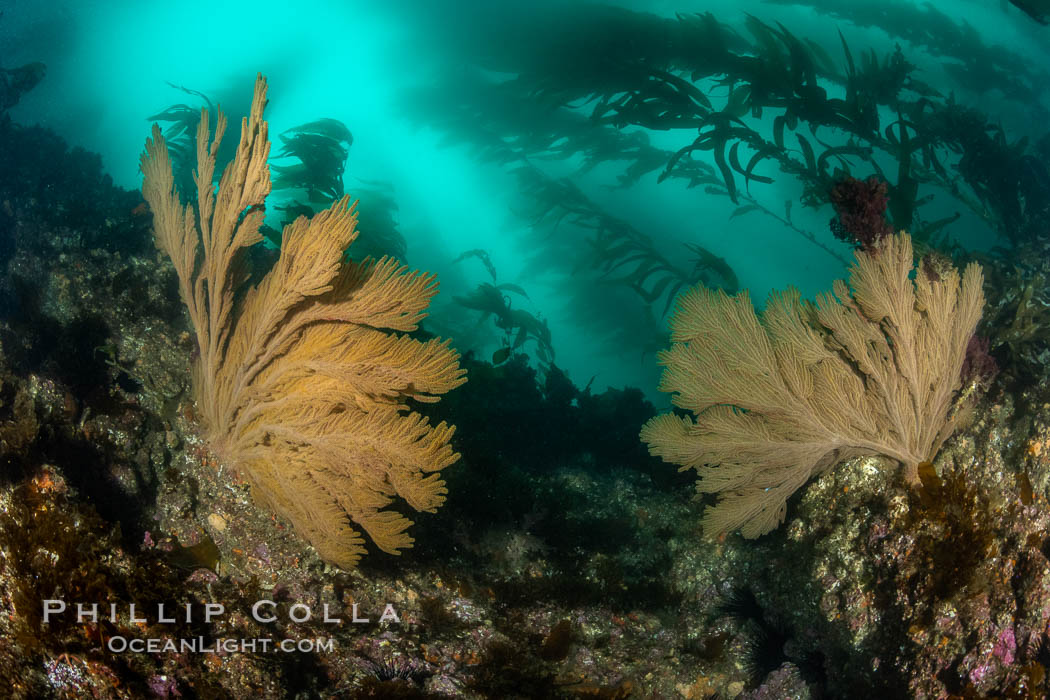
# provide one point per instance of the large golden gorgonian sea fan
(302, 380)
(873, 369)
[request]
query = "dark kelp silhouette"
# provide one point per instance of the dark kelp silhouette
(481, 255)
(1039, 10)
(518, 325)
(179, 122)
(15, 82)
(634, 71)
(965, 57)
(620, 253)
(322, 148)
(314, 182)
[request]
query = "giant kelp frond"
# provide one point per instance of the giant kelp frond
(975, 64)
(322, 148)
(331, 130)
(1036, 9)
(303, 383)
(481, 255)
(619, 252)
(518, 325)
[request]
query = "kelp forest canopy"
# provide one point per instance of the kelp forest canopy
(734, 106)
(873, 113)
(753, 101)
